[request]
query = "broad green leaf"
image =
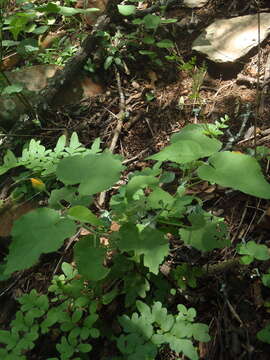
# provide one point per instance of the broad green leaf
(200, 332)
(140, 182)
(212, 234)
(126, 10)
(52, 8)
(95, 147)
(238, 171)
(246, 260)
(135, 285)
(4, 336)
(150, 243)
(70, 195)
(148, 52)
(151, 21)
(61, 143)
(166, 43)
(41, 29)
(148, 40)
(49, 8)
(84, 348)
(7, 43)
(27, 47)
(90, 259)
(188, 145)
(168, 21)
(154, 247)
(10, 161)
(137, 21)
(266, 279)
(129, 238)
(198, 133)
(182, 329)
(257, 251)
(264, 334)
(94, 172)
(41, 231)
(83, 214)
(12, 89)
(108, 62)
(69, 11)
(159, 199)
(74, 142)
(159, 339)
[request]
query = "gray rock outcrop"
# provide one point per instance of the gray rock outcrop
(195, 3)
(227, 40)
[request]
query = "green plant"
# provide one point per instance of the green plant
(58, 54)
(130, 207)
(71, 314)
(154, 327)
(216, 129)
(44, 162)
(186, 275)
(252, 251)
(145, 39)
(264, 334)
(145, 208)
(29, 19)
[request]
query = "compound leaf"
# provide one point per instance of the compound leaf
(200, 332)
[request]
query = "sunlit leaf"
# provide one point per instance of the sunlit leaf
(238, 171)
(126, 10)
(94, 172)
(83, 214)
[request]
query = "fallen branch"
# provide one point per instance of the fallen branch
(72, 67)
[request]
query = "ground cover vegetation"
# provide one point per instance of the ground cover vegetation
(137, 258)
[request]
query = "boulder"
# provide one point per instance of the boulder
(195, 3)
(227, 40)
(34, 79)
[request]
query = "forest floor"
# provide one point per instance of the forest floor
(233, 301)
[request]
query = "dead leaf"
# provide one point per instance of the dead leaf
(153, 78)
(115, 227)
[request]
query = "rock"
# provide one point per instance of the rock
(34, 79)
(227, 40)
(195, 3)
